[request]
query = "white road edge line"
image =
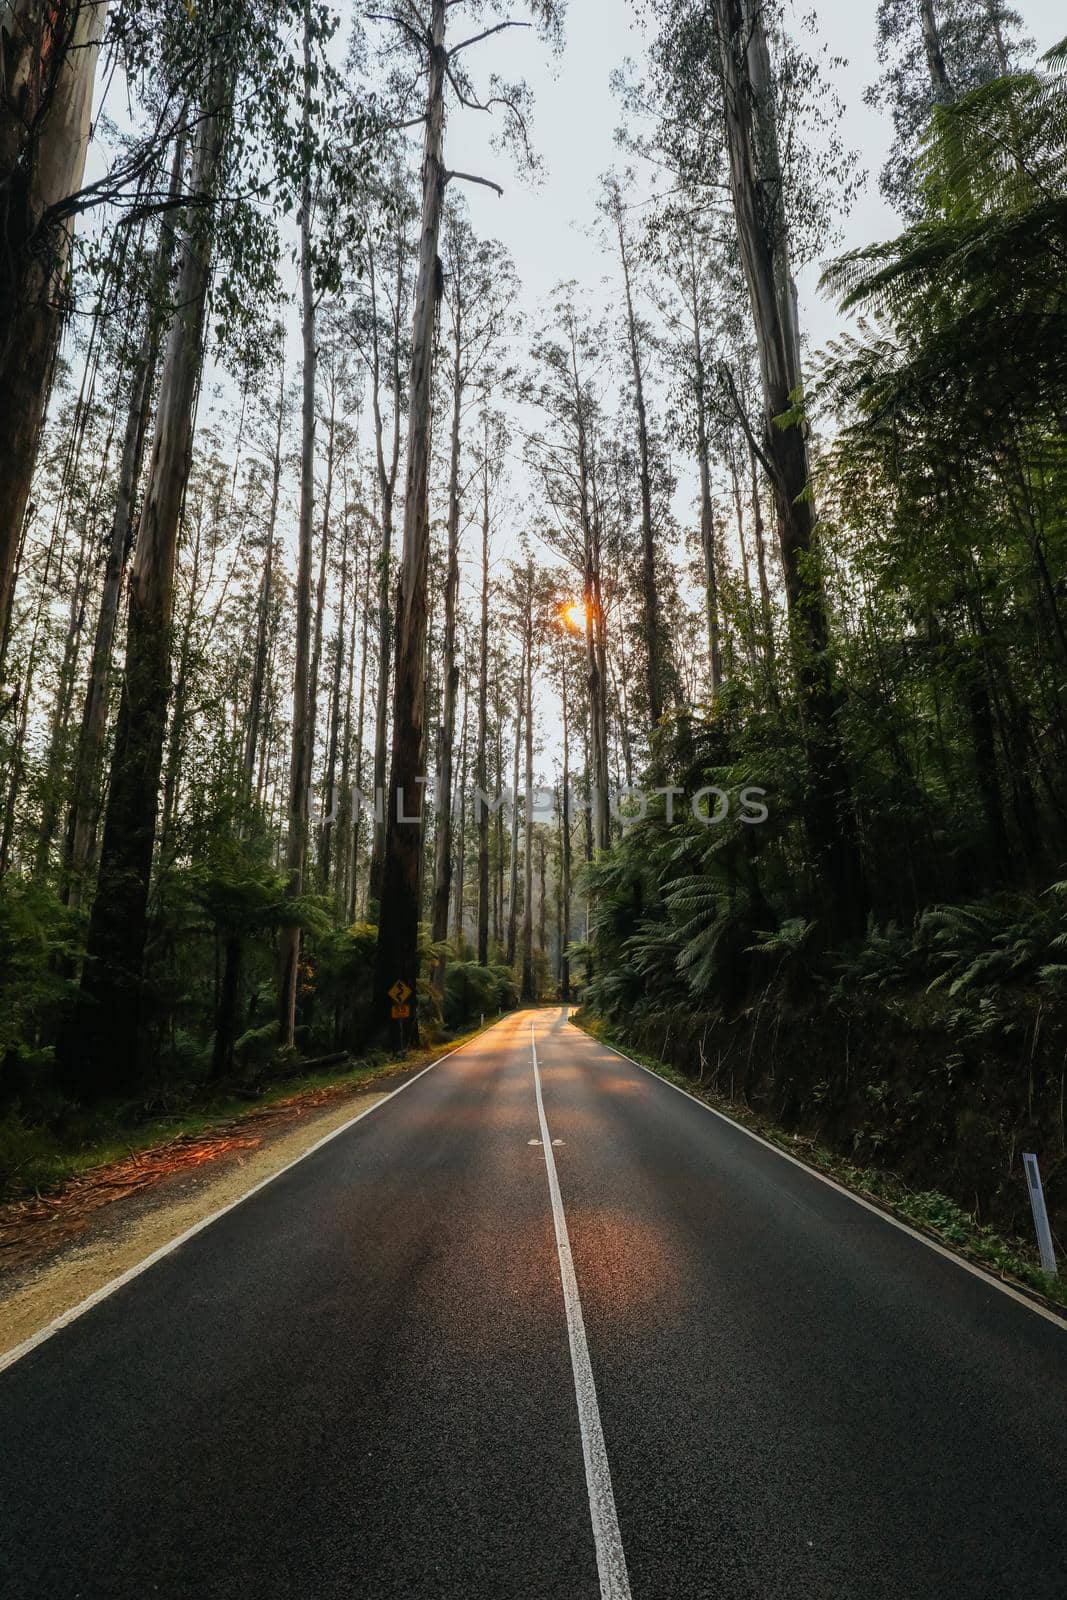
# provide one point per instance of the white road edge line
(9, 1357)
(812, 1172)
(610, 1556)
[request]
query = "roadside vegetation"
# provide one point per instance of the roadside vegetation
(39, 1154)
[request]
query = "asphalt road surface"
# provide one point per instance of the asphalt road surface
(431, 1360)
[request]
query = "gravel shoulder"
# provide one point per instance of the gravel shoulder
(56, 1251)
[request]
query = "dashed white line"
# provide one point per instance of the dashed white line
(610, 1556)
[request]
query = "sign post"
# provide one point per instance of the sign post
(1037, 1206)
(400, 994)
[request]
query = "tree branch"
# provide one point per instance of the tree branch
(742, 417)
(476, 38)
(398, 22)
(469, 177)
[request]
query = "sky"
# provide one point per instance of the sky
(576, 116)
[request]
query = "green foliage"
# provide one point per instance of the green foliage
(993, 942)
(39, 939)
(472, 991)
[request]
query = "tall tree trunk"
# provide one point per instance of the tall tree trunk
(498, 875)
(387, 471)
(89, 754)
(761, 571)
(651, 623)
(748, 630)
(757, 192)
(542, 898)
(527, 849)
(118, 927)
(263, 608)
(707, 509)
(334, 730)
(461, 831)
(345, 820)
(357, 819)
(513, 879)
(49, 53)
(175, 742)
(565, 846)
(481, 770)
(594, 624)
(935, 56)
(300, 756)
(57, 743)
(311, 732)
(398, 931)
(446, 731)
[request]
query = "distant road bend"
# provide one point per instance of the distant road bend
(540, 1326)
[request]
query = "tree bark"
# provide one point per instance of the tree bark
(707, 509)
(87, 761)
(461, 831)
(651, 622)
(481, 769)
(334, 732)
(398, 931)
(49, 53)
(527, 862)
(360, 713)
(759, 212)
(565, 846)
(300, 756)
(594, 623)
(118, 927)
(263, 609)
(446, 731)
(387, 472)
(935, 56)
(513, 864)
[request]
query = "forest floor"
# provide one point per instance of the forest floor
(1013, 1259)
(58, 1248)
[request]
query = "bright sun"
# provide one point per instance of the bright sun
(575, 615)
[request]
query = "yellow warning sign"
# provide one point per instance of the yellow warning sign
(399, 992)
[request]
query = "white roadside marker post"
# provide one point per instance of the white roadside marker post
(1037, 1205)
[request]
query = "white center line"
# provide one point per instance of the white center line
(610, 1557)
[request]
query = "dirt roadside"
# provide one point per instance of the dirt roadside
(57, 1250)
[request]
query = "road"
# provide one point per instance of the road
(430, 1360)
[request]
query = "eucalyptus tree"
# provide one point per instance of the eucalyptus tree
(530, 613)
(142, 371)
(479, 289)
(689, 262)
(713, 66)
(931, 53)
(325, 183)
(492, 446)
(378, 307)
(420, 33)
(641, 348)
(46, 91)
(566, 457)
(272, 468)
(241, 48)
